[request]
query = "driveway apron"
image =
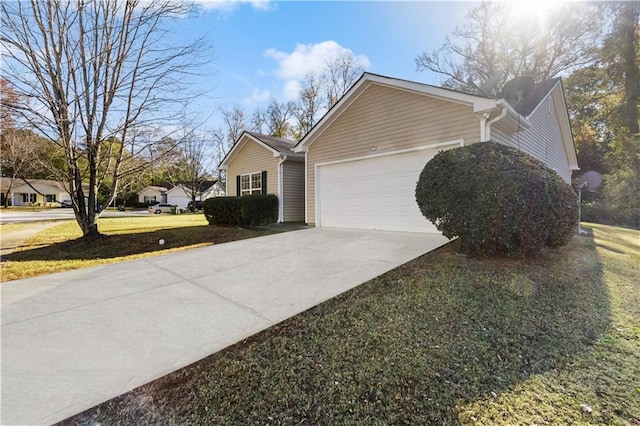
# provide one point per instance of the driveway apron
(75, 339)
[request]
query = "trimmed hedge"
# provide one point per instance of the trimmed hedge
(497, 200)
(249, 210)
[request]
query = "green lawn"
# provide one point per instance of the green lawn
(60, 248)
(440, 340)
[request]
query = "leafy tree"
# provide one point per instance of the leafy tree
(9, 99)
(95, 70)
(20, 152)
(621, 56)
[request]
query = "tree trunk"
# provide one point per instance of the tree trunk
(629, 20)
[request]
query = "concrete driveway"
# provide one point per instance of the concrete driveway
(75, 339)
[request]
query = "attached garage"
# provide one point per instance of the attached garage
(364, 157)
(374, 192)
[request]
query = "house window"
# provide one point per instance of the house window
(50, 198)
(148, 199)
(28, 198)
(251, 184)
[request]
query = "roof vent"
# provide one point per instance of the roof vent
(517, 89)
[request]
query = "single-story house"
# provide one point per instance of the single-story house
(153, 194)
(28, 192)
(261, 164)
(363, 158)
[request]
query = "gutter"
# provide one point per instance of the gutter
(487, 130)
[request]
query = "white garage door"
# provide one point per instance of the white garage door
(376, 193)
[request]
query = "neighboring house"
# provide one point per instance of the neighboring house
(179, 195)
(215, 189)
(260, 164)
(152, 195)
(364, 157)
(33, 192)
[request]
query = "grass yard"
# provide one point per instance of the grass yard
(60, 248)
(440, 340)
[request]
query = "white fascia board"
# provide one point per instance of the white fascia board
(565, 125)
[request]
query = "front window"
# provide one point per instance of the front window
(251, 184)
(28, 198)
(50, 198)
(150, 199)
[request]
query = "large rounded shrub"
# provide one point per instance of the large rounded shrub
(497, 200)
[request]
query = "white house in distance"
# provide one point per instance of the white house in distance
(153, 194)
(33, 192)
(179, 194)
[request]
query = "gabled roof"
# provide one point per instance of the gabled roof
(18, 182)
(155, 188)
(280, 147)
(515, 113)
(479, 103)
(532, 99)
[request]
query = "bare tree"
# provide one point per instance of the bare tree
(93, 70)
(258, 120)
(340, 74)
(192, 167)
(306, 111)
(235, 122)
(493, 45)
(277, 118)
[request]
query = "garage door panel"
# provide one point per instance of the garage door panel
(376, 193)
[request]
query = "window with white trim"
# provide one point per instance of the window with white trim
(251, 184)
(28, 198)
(50, 198)
(148, 199)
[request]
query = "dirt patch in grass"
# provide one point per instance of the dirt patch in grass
(439, 340)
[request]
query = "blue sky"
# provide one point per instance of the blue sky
(259, 50)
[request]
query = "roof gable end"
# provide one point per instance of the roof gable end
(479, 103)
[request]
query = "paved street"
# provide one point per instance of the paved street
(55, 214)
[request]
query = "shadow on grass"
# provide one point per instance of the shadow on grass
(409, 347)
(120, 245)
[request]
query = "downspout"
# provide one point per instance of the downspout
(493, 120)
(483, 125)
(281, 189)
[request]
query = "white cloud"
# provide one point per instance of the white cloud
(306, 59)
(291, 90)
(257, 97)
(226, 7)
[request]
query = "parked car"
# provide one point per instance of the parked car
(198, 205)
(161, 208)
(66, 203)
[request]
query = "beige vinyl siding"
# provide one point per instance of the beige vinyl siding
(293, 191)
(253, 158)
(388, 119)
(543, 140)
